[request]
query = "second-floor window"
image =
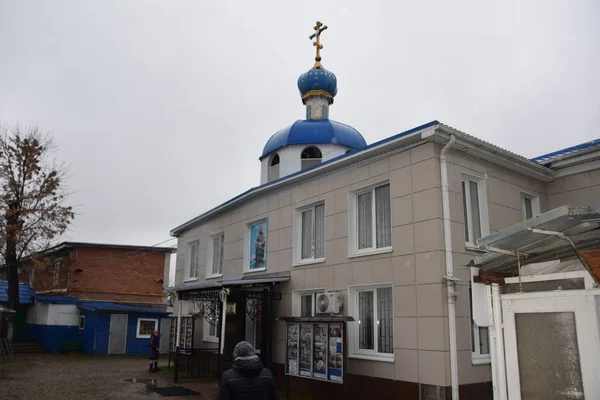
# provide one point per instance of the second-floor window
(474, 209)
(216, 253)
(311, 233)
(371, 219)
(193, 260)
(530, 205)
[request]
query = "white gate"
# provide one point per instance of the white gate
(552, 344)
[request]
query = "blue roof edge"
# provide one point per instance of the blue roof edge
(547, 158)
(314, 167)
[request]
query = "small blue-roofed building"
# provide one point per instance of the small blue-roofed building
(64, 324)
(26, 298)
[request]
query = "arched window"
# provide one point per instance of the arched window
(273, 171)
(310, 156)
(275, 160)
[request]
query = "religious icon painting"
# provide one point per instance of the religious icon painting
(320, 351)
(258, 245)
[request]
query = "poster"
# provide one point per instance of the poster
(258, 245)
(336, 350)
(306, 334)
(320, 351)
(292, 349)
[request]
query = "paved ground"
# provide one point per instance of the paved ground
(76, 376)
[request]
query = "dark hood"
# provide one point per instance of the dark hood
(249, 366)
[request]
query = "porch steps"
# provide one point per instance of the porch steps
(27, 348)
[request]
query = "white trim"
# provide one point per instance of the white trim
(577, 169)
(137, 329)
(190, 280)
(297, 235)
(353, 350)
(484, 219)
(81, 319)
(247, 236)
(188, 264)
(353, 250)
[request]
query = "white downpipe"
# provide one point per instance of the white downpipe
(449, 269)
(223, 297)
(492, 336)
(501, 360)
(178, 322)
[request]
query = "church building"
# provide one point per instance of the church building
(348, 267)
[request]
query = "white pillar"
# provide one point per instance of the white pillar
(178, 322)
(223, 298)
(492, 340)
(501, 360)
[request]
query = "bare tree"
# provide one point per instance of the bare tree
(32, 210)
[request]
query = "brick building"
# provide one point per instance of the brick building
(101, 272)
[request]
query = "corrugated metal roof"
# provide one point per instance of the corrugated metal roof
(550, 157)
(102, 306)
(68, 245)
(580, 224)
(26, 293)
(229, 282)
(57, 299)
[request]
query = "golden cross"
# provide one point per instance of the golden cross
(319, 28)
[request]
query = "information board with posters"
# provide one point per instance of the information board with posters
(315, 350)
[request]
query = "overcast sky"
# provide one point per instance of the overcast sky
(162, 108)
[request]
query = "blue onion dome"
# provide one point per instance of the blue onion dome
(306, 132)
(317, 82)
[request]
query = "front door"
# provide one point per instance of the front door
(117, 336)
(165, 335)
(552, 345)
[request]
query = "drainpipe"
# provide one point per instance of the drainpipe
(450, 284)
(178, 336)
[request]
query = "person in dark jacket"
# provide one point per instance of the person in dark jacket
(248, 379)
(154, 351)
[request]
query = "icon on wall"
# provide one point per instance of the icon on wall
(258, 245)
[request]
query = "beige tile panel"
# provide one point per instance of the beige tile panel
(463, 333)
(402, 210)
(577, 181)
(430, 267)
(381, 270)
(360, 174)
(427, 204)
(400, 182)
(360, 367)
(403, 240)
(341, 200)
(403, 270)
(340, 226)
(379, 167)
(429, 236)
(285, 238)
(407, 365)
(433, 333)
(469, 373)
(425, 175)
(399, 160)
(326, 277)
(343, 276)
(434, 367)
(311, 278)
(405, 301)
(432, 300)
(405, 333)
(422, 153)
(384, 370)
(361, 273)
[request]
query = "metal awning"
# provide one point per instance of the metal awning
(6, 310)
(549, 236)
(217, 283)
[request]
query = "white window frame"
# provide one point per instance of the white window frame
(353, 250)
(298, 260)
(535, 204)
(477, 358)
(354, 351)
(139, 323)
(483, 207)
(81, 322)
(206, 336)
(210, 252)
(247, 236)
(297, 300)
(189, 263)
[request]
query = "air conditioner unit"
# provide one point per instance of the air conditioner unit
(328, 303)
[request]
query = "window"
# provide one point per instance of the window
(81, 322)
(474, 209)
(530, 205)
(371, 224)
(193, 261)
(310, 234)
(310, 156)
(325, 116)
(210, 331)
(145, 327)
(303, 302)
(255, 251)
(273, 170)
(373, 329)
(480, 339)
(215, 256)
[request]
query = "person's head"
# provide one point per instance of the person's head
(243, 349)
(155, 332)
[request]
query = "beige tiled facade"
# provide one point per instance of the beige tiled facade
(416, 264)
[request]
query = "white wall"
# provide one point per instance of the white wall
(53, 314)
(289, 158)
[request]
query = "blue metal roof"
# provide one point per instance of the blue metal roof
(57, 299)
(318, 80)
(26, 293)
(103, 306)
(548, 158)
(321, 165)
(315, 132)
